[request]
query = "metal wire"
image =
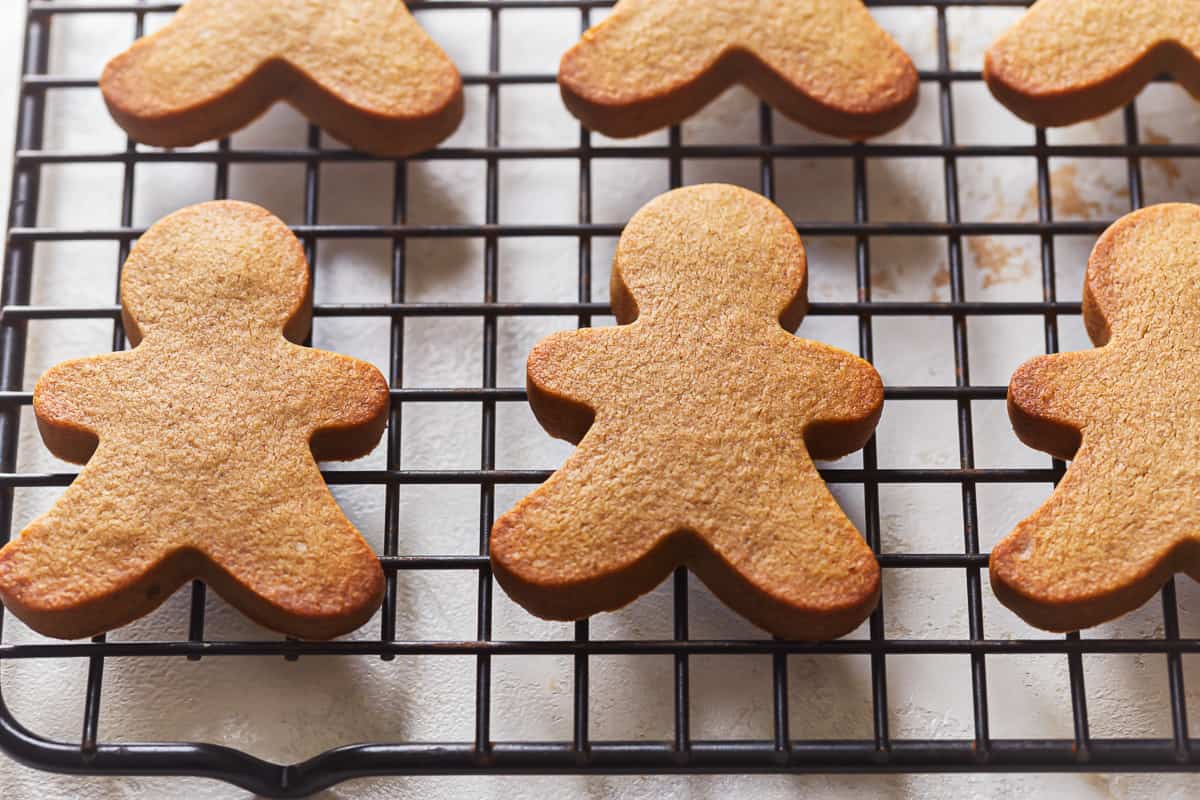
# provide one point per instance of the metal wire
(681, 754)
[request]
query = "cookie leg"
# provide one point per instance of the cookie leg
(322, 581)
(1092, 552)
(370, 97)
(834, 70)
(582, 544)
(71, 576)
(588, 540)
(1066, 61)
(205, 74)
(801, 571)
(646, 67)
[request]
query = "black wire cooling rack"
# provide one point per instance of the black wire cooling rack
(581, 754)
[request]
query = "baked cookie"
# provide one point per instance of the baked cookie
(361, 69)
(1066, 61)
(697, 420)
(201, 445)
(653, 63)
(1127, 513)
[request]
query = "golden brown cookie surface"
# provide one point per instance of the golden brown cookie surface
(361, 69)
(1066, 61)
(653, 63)
(1125, 516)
(697, 420)
(200, 445)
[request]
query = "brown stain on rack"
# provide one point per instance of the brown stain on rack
(884, 279)
(941, 279)
(1067, 198)
(889, 279)
(1170, 168)
(999, 262)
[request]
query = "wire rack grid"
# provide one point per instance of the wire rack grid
(581, 754)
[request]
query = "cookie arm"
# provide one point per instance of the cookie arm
(565, 376)
(349, 406)
(843, 412)
(69, 402)
(1048, 400)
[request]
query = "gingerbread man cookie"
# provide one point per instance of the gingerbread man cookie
(1066, 61)
(653, 63)
(361, 69)
(1127, 513)
(697, 420)
(201, 445)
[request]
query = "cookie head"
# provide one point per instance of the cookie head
(715, 250)
(1142, 274)
(221, 261)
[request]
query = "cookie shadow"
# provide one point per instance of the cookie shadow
(279, 710)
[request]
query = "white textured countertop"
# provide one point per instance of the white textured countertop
(290, 711)
(11, 25)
